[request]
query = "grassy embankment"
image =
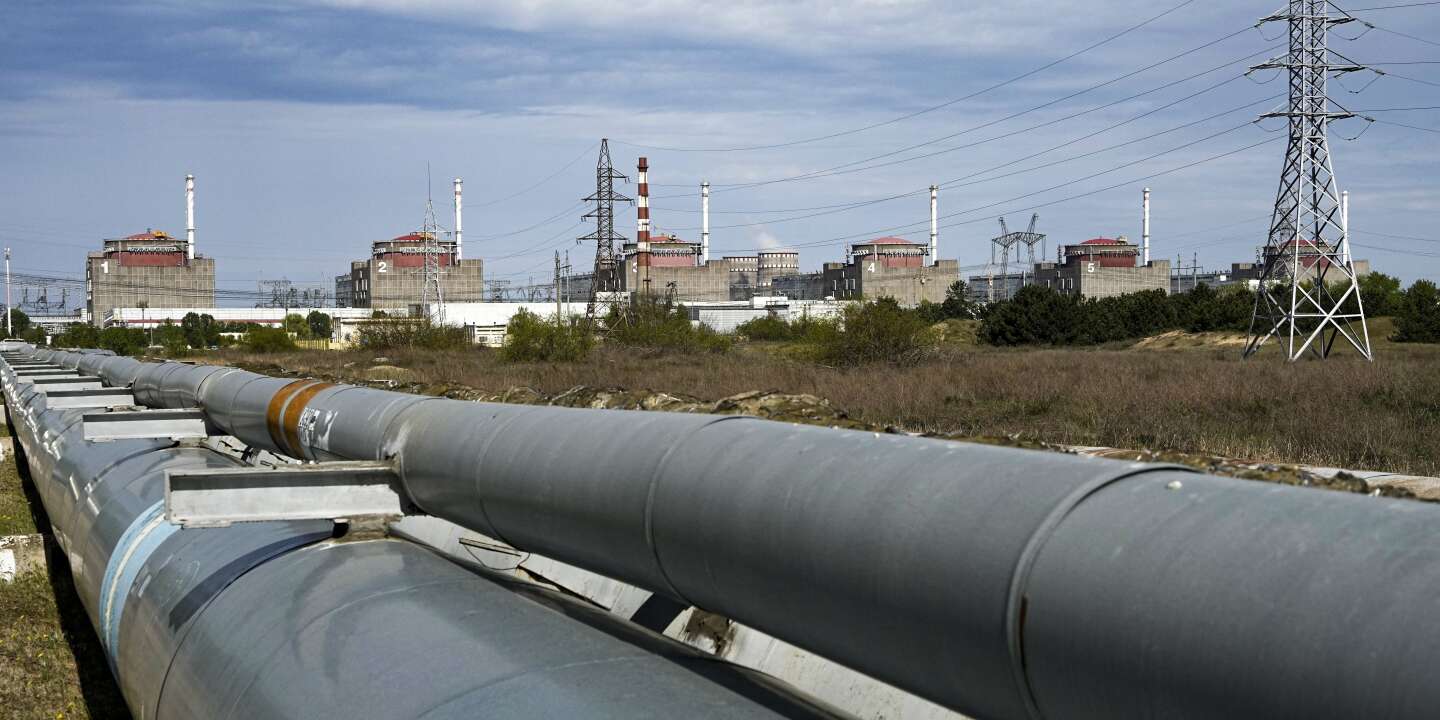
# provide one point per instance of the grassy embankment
(1178, 392)
(51, 662)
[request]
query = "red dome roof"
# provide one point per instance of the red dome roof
(888, 240)
(1102, 241)
(410, 237)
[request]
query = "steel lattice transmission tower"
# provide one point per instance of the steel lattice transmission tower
(1308, 243)
(1005, 242)
(430, 287)
(607, 275)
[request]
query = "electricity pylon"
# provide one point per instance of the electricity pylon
(1308, 293)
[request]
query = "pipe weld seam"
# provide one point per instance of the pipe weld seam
(654, 488)
(1014, 604)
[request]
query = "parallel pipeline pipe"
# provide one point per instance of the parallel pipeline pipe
(278, 620)
(999, 582)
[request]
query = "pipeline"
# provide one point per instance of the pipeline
(998, 582)
(281, 620)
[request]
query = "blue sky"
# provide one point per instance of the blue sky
(309, 125)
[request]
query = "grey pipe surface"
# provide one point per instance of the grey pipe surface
(947, 569)
(277, 620)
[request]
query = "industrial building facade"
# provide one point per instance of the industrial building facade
(675, 268)
(884, 267)
(393, 278)
(147, 270)
(1103, 267)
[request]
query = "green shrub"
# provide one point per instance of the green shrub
(1418, 318)
(1381, 294)
(121, 340)
(1038, 315)
(201, 330)
(295, 323)
(262, 339)
(319, 324)
(171, 337)
(877, 331)
(1035, 316)
(34, 334)
(419, 334)
(18, 320)
(769, 327)
(652, 323)
(81, 335)
(530, 338)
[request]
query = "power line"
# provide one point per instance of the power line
(913, 225)
(1416, 38)
(1010, 163)
(932, 108)
(1404, 125)
(1390, 7)
(1405, 77)
(1398, 237)
(849, 167)
(966, 180)
(547, 179)
(540, 224)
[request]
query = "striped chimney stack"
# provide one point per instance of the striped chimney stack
(642, 213)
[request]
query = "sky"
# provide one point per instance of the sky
(313, 127)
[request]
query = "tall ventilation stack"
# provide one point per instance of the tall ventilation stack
(934, 224)
(642, 223)
(190, 217)
(459, 225)
(705, 222)
(1145, 226)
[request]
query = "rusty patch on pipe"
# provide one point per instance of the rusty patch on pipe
(290, 421)
(277, 404)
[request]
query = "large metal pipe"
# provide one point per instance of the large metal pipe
(279, 620)
(1002, 583)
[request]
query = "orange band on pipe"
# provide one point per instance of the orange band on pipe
(290, 421)
(273, 410)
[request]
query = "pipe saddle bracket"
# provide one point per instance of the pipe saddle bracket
(144, 424)
(69, 383)
(336, 491)
(93, 398)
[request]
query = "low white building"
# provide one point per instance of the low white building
(487, 321)
(272, 317)
(725, 317)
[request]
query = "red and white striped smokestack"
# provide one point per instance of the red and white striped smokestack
(642, 213)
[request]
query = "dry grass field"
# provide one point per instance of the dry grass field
(51, 662)
(1189, 394)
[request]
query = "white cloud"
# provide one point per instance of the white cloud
(799, 27)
